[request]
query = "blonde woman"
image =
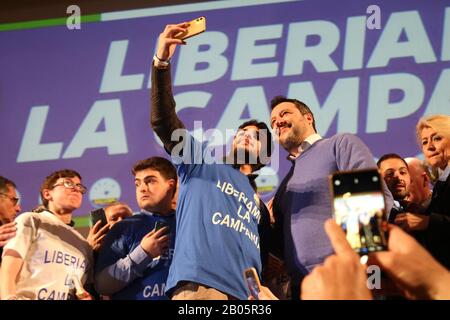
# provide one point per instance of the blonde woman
(433, 134)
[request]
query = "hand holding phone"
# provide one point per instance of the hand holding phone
(253, 284)
(194, 28)
(160, 224)
(80, 292)
(359, 208)
(156, 242)
(98, 215)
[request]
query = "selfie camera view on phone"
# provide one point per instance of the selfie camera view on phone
(195, 27)
(96, 215)
(359, 208)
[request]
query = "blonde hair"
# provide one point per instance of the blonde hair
(438, 122)
(119, 203)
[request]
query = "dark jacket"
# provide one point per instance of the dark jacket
(437, 236)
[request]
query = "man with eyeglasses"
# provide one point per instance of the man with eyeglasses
(47, 256)
(9, 208)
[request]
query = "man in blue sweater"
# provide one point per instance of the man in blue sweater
(134, 259)
(303, 201)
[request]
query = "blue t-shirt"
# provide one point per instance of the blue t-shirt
(122, 239)
(217, 224)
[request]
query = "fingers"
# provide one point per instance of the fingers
(168, 40)
(400, 218)
(9, 224)
(8, 228)
(95, 227)
(157, 234)
(7, 231)
(95, 233)
(400, 241)
(386, 260)
(171, 31)
(175, 28)
(104, 229)
(337, 238)
(100, 239)
(151, 233)
(7, 236)
(161, 232)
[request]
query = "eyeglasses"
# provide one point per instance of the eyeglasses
(14, 200)
(70, 185)
(251, 133)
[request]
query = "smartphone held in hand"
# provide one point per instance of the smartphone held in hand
(359, 208)
(252, 280)
(160, 224)
(194, 28)
(96, 215)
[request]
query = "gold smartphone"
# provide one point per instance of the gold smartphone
(194, 28)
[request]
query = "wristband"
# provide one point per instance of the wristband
(160, 63)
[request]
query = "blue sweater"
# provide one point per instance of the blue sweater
(303, 199)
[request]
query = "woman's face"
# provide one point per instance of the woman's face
(435, 147)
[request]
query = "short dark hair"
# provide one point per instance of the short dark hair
(4, 183)
(390, 156)
(266, 143)
(301, 106)
(52, 178)
(162, 165)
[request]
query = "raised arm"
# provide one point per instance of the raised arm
(164, 119)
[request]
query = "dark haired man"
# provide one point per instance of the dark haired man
(302, 203)
(218, 212)
(134, 259)
(405, 213)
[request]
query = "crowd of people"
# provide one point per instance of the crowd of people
(202, 223)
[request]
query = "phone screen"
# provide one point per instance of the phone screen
(359, 208)
(251, 277)
(160, 224)
(96, 215)
(253, 287)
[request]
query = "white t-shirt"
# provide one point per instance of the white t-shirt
(53, 253)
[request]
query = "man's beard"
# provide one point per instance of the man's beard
(401, 196)
(290, 139)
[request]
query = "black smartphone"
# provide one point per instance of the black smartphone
(96, 215)
(252, 280)
(360, 209)
(160, 224)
